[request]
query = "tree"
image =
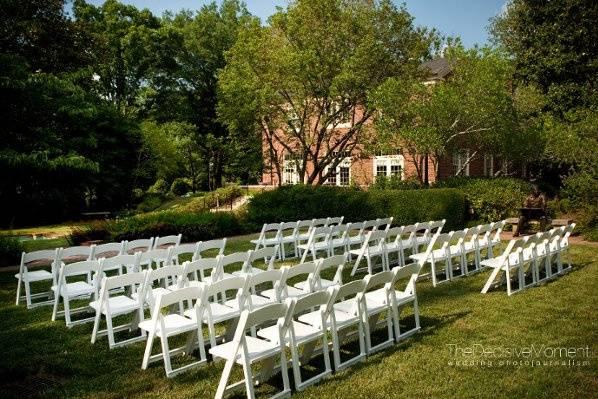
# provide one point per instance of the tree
(474, 107)
(302, 82)
(554, 45)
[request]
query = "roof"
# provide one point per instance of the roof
(439, 68)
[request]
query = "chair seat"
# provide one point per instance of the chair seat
(469, 246)
(155, 293)
(291, 292)
(78, 288)
(379, 296)
(497, 262)
(323, 284)
(303, 333)
(173, 323)
(254, 271)
(342, 318)
(35, 275)
(258, 301)
(267, 242)
(257, 348)
(374, 251)
(288, 239)
(118, 305)
(439, 254)
(483, 242)
(220, 312)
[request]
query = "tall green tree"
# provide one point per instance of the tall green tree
(554, 45)
(473, 108)
(309, 73)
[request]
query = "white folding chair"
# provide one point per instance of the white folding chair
(355, 235)
(374, 246)
(268, 280)
(140, 245)
(495, 233)
(345, 313)
(69, 286)
(247, 349)
(122, 264)
(109, 250)
(213, 313)
(165, 324)
(189, 249)
(384, 223)
(319, 240)
(161, 281)
(394, 245)
(335, 221)
(335, 263)
(118, 305)
(266, 255)
(563, 247)
(198, 271)
(306, 335)
(303, 231)
(159, 257)
(482, 243)
(469, 247)
(438, 250)
(269, 236)
(288, 236)
(167, 241)
(398, 299)
(305, 272)
(235, 262)
(26, 277)
(373, 309)
(212, 246)
(511, 260)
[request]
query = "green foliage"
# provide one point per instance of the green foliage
(193, 226)
(93, 231)
(406, 206)
(316, 60)
(580, 192)
(218, 197)
(180, 186)
(10, 250)
(553, 45)
(396, 183)
(150, 201)
(491, 199)
(159, 187)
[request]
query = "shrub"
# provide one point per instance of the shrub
(396, 183)
(180, 186)
(159, 187)
(491, 199)
(221, 196)
(10, 250)
(193, 226)
(406, 206)
(93, 231)
(150, 202)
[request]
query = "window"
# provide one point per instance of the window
(290, 174)
(342, 117)
(489, 165)
(389, 165)
(342, 174)
(460, 163)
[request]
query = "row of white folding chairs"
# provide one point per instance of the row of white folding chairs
(453, 249)
(153, 252)
(396, 240)
(540, 255)
(291, 233)
(344, 236)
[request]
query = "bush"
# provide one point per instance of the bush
(93, 231)
(10, 250)
(159, 187)
(193, 226)
(579, 197)
(491, 199)
(406, 206)
(180, 186)
(150, 201)
(221, 196)
(396, 183)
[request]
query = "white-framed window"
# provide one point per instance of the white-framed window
(342, 119)
(290, 174)
(460, 163)
(389, 165)
(489, 165)
(505, 167)
(342, 174)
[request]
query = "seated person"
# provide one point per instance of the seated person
(535, 200)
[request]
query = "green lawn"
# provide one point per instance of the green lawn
(560, 314)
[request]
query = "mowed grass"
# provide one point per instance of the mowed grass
(38, 354)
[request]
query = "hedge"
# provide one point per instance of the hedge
(491, 199)
(406, 206)
(193, 227)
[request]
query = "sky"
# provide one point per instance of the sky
(465, 18)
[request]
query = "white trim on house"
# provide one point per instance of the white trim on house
(290, 174)
(460, 159)
(389, 165)
(342, 175)
(489, 165)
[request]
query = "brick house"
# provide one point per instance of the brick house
(360, 169)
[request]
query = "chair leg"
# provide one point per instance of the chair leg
(28, 294)
(20, 281)
(166, 354)
(55, 309)
(67, 310)
(433, 271)
(148, 350)
(248, 379)
(509, 281)
(110, 331)
(96, 327)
